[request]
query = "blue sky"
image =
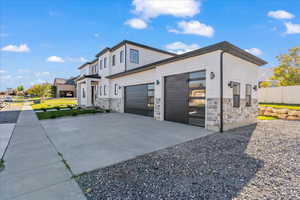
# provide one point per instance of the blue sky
(40, 40)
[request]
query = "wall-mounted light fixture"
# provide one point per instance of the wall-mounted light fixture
(157, 82)
(255, 87)
(231, 84)
(120, 87)
(212, 75)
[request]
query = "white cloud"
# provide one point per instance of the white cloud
(254, 51)
(79, 59)
(56, 59)
(194, 27)
(178, 8)
(292, 28)
(280, 14)
(96, 35)
(2, 71)
(23, 70)
(5, 77)
(38, 74)
(136, 23)
(180, 47)
(15, 48)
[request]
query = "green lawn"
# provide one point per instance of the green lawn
(63, 113)
(288, 106)
(54, 103)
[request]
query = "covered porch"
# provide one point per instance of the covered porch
(87, 88)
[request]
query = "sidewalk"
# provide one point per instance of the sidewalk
(33, 169)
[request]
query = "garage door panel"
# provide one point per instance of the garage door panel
(136, 100)
(176, 91)
(185, 98)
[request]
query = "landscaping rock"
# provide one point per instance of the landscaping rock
(294, 113)
(293, 118)
(282, 116)
(268, 113)
(282, 111)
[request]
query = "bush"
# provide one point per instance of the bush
(74, 114)
(107, 110)
(70, 107)
(57, 107)
(53, 116)
(44, 109)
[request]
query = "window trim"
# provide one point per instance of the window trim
(248, 104)
(121, 56)
(236, 104)
(113, 62)
(104, 62)
(116, 89)
(132, 56)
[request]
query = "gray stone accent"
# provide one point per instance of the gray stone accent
(116, 105)
(157, 105)
(233, 117)
(103, 103)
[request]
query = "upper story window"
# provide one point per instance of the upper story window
(101, 64)
(121, 56)
(134, 56)
(248, 94)
(100, 90)
(113, 60)
(105, 62)
(236, 94)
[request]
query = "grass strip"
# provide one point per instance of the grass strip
(63, 113)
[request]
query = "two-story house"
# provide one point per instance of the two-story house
(212, 87)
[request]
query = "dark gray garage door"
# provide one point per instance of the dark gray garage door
(139, 99)
(185, 98)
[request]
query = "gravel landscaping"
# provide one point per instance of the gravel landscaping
(255, 162)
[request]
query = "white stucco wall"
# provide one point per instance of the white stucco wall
(146, 56)
(239, 70)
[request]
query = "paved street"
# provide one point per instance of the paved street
(8, 117)
(33, 169)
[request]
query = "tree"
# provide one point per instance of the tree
(20, 90)
(288, 71)
(265, 84)
(40, 90)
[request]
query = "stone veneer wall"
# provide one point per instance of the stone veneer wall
(157, 105)
(232, 117)
(103, 103)
(116, 105)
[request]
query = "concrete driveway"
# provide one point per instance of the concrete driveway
(95, 141)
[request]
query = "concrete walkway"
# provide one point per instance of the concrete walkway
(33, 169)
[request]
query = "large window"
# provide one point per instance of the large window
(197, 88)
(105, 62)
(236, 94)
(151, 96)
(100, 90)
(248, 94)
(134, 56)
(101, 64)
(121, 56)
(113, 60)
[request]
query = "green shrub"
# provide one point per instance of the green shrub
(70, 107)
(53, 116)
(107, 110)
(57, 107)
(44, 109)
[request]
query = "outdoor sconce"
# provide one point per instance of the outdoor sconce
(255, 87)
(231, 84)
(157, 82)
(120, 87)
(212, 75)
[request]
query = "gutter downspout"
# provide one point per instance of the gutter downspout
(221, 91)
(125, 57)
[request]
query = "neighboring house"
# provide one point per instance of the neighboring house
(212, 87)
(65, 87)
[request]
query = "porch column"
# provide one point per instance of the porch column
(88, 93)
